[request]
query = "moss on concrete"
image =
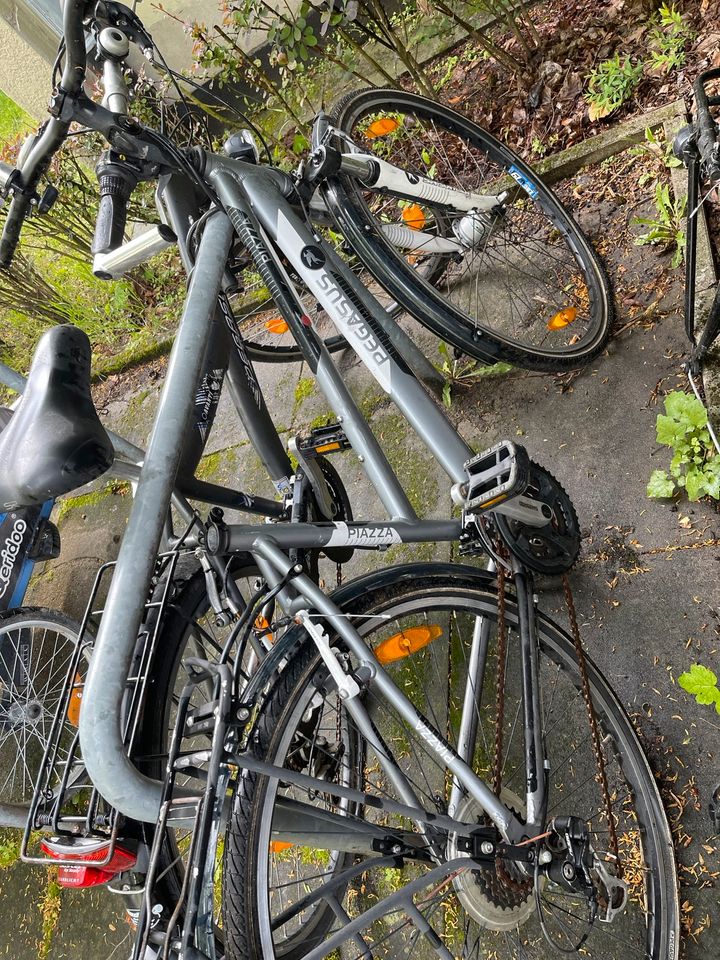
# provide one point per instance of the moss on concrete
(141, 349)
(408, 461)
(86, 501)
(221, 466)
(303, 389)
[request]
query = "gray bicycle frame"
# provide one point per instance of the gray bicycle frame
(253, 199)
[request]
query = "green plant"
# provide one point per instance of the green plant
(610, 84)
(9, 848)
(464, 371)
(702, 684)
(669, 35)
(515, 18)
(450, 64)
(695, 466)
(657, 149)
(667, 229)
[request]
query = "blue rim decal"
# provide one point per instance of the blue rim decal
(530, 189)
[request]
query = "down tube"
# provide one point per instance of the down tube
(103, 751)
(353, 310)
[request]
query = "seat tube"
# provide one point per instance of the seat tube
(103, 751)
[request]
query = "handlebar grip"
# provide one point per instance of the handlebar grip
(116, 187)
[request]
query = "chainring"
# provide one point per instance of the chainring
(554, 548)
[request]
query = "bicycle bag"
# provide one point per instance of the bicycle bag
(26, 536)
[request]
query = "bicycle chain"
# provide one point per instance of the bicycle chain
(502, 874)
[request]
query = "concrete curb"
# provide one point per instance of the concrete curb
(606, 144)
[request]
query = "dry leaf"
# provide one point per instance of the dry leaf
(596, 112)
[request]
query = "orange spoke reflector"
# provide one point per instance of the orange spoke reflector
(406, 642)
(276, 325)
(73, 710)
(277, 846)
(414, 217)
(381, 127)
(262, 624)
(562, 319)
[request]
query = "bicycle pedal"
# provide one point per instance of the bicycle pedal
(496, 475)
(323, 440)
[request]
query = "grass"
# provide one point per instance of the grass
(13, 120)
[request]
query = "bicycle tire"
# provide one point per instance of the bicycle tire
(650, 925)
(36, 645)
(543, 296)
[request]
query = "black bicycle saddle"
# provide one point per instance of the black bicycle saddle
(54, 441)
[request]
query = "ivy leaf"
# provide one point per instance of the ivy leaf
(682, 407)
(702, 684)
(660, 485)
(669, 431)
(695, 483)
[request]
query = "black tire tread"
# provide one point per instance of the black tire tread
(239, 882)
(437, 316)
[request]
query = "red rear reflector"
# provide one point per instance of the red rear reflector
(84, 874)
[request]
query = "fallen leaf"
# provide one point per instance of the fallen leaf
(597, 112)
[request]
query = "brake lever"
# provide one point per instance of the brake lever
(118, 15)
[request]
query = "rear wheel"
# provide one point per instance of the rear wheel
(282, 893)
(525, 287)
(36, 648)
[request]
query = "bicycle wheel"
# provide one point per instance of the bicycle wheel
(268, 884)
(526, 288)
(36, 646)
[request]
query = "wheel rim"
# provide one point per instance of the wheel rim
(35, 654)
(525, 282)
(641, 927)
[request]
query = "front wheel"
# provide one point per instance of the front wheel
(289, 891)
(525, 285)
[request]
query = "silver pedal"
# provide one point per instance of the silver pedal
(496, 475)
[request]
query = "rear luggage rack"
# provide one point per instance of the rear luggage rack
(189, 930)
(65, 803)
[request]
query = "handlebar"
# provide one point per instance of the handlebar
(40, 158)
(707, 128)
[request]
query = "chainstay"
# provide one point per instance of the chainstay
(597, 749)
(504, 878)
(500, 681)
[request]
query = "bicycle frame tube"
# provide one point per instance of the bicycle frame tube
(100, 736)
(511, 828)
(347, 303)
(356, 314)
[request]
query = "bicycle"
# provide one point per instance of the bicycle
(280, 649)
(698, 148)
